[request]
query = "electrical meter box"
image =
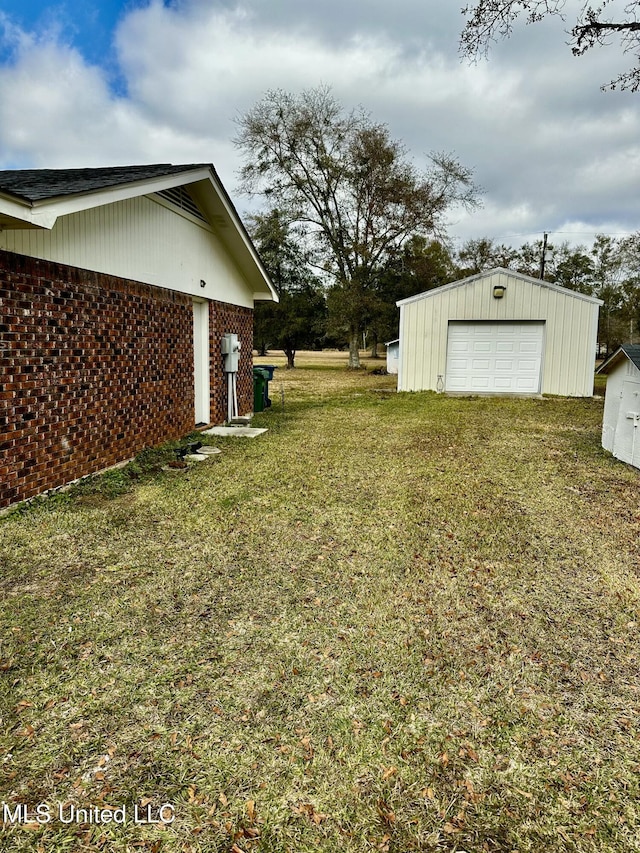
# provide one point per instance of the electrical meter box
(231, 353)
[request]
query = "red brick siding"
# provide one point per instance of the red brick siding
(92, 370)
(230, 319)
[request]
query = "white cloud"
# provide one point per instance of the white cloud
(546, 144)
(188, 64)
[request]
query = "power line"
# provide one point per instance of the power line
(551, 233)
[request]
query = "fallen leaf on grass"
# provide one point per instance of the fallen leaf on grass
(468, 752)
(250, 807)
(385, 812)
(563, 834)
(60, 774)
(251, 832)
(306, 743)
(309, 810)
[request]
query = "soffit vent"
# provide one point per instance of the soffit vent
(181, 197)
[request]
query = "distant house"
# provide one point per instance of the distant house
(498, 332)
(621, 421)
(116, 287)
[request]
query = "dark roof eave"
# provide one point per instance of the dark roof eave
(630, 351)
(36, 185)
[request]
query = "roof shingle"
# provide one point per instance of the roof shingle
(632, 352)
(38, 184)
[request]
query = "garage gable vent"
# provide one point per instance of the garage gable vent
(181, 197)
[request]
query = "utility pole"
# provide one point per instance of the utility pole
(544, 255)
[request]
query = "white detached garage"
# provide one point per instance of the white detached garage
(498, 332)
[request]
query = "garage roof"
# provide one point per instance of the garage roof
(498, 270)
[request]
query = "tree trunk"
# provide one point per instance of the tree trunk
(354, 350)
(374, 348)
(291, 357)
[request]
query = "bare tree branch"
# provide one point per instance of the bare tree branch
(490, 20)
(346, 183)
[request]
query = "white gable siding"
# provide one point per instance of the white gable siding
(143, 240)
(570, 328)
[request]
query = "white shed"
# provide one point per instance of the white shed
(499, 332)
(621, 422)
(393, 350)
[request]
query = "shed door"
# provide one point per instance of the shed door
(494, 358)
(626, 441)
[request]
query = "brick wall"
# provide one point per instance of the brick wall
(230, 319)
(92, 370)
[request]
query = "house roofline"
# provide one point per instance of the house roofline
(44, 213)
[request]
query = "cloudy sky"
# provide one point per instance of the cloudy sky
(114, 82)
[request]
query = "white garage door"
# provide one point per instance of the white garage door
(502, 358)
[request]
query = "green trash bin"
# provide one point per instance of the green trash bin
(260, 379)
(269, 368)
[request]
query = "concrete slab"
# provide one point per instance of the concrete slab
(237, 432)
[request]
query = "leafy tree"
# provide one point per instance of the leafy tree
(421, 265)
(630, 253)
(299, 318)
(424, 264)
(609, 270)
(482, 254)
(349, 188)
(488, 20)
(567, 267)
(529, 259)
(575, 270)
(607, 263)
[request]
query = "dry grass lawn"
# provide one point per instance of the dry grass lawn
(392, 623)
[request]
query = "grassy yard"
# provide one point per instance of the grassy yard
(392, 623)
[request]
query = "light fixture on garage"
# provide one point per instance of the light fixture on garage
(203, 283)
(498, 291)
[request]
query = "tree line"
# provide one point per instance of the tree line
(309, 315)
(349, 226)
